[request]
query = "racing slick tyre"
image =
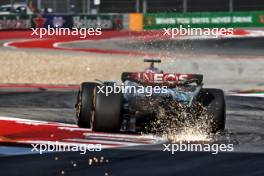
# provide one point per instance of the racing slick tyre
(213, 100)
(84, 104)
(107, 112)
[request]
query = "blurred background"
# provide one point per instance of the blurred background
(132, 6)
(133, 29)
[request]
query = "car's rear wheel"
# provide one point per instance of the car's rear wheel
(213, 100)
(107, 112)
(84, 104)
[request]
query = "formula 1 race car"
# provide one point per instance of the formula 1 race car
(152, 94)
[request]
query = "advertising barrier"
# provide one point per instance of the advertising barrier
(204, 20)
(15, 22)
(110, 22)
(106, 22)
(136, 21)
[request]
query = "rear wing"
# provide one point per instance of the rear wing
(152, 60)
(163, 79)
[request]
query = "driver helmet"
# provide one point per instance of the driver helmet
(152, 69)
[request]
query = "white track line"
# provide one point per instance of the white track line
(247, 94)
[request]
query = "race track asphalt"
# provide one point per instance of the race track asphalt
(135, 162)
(244, 128)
